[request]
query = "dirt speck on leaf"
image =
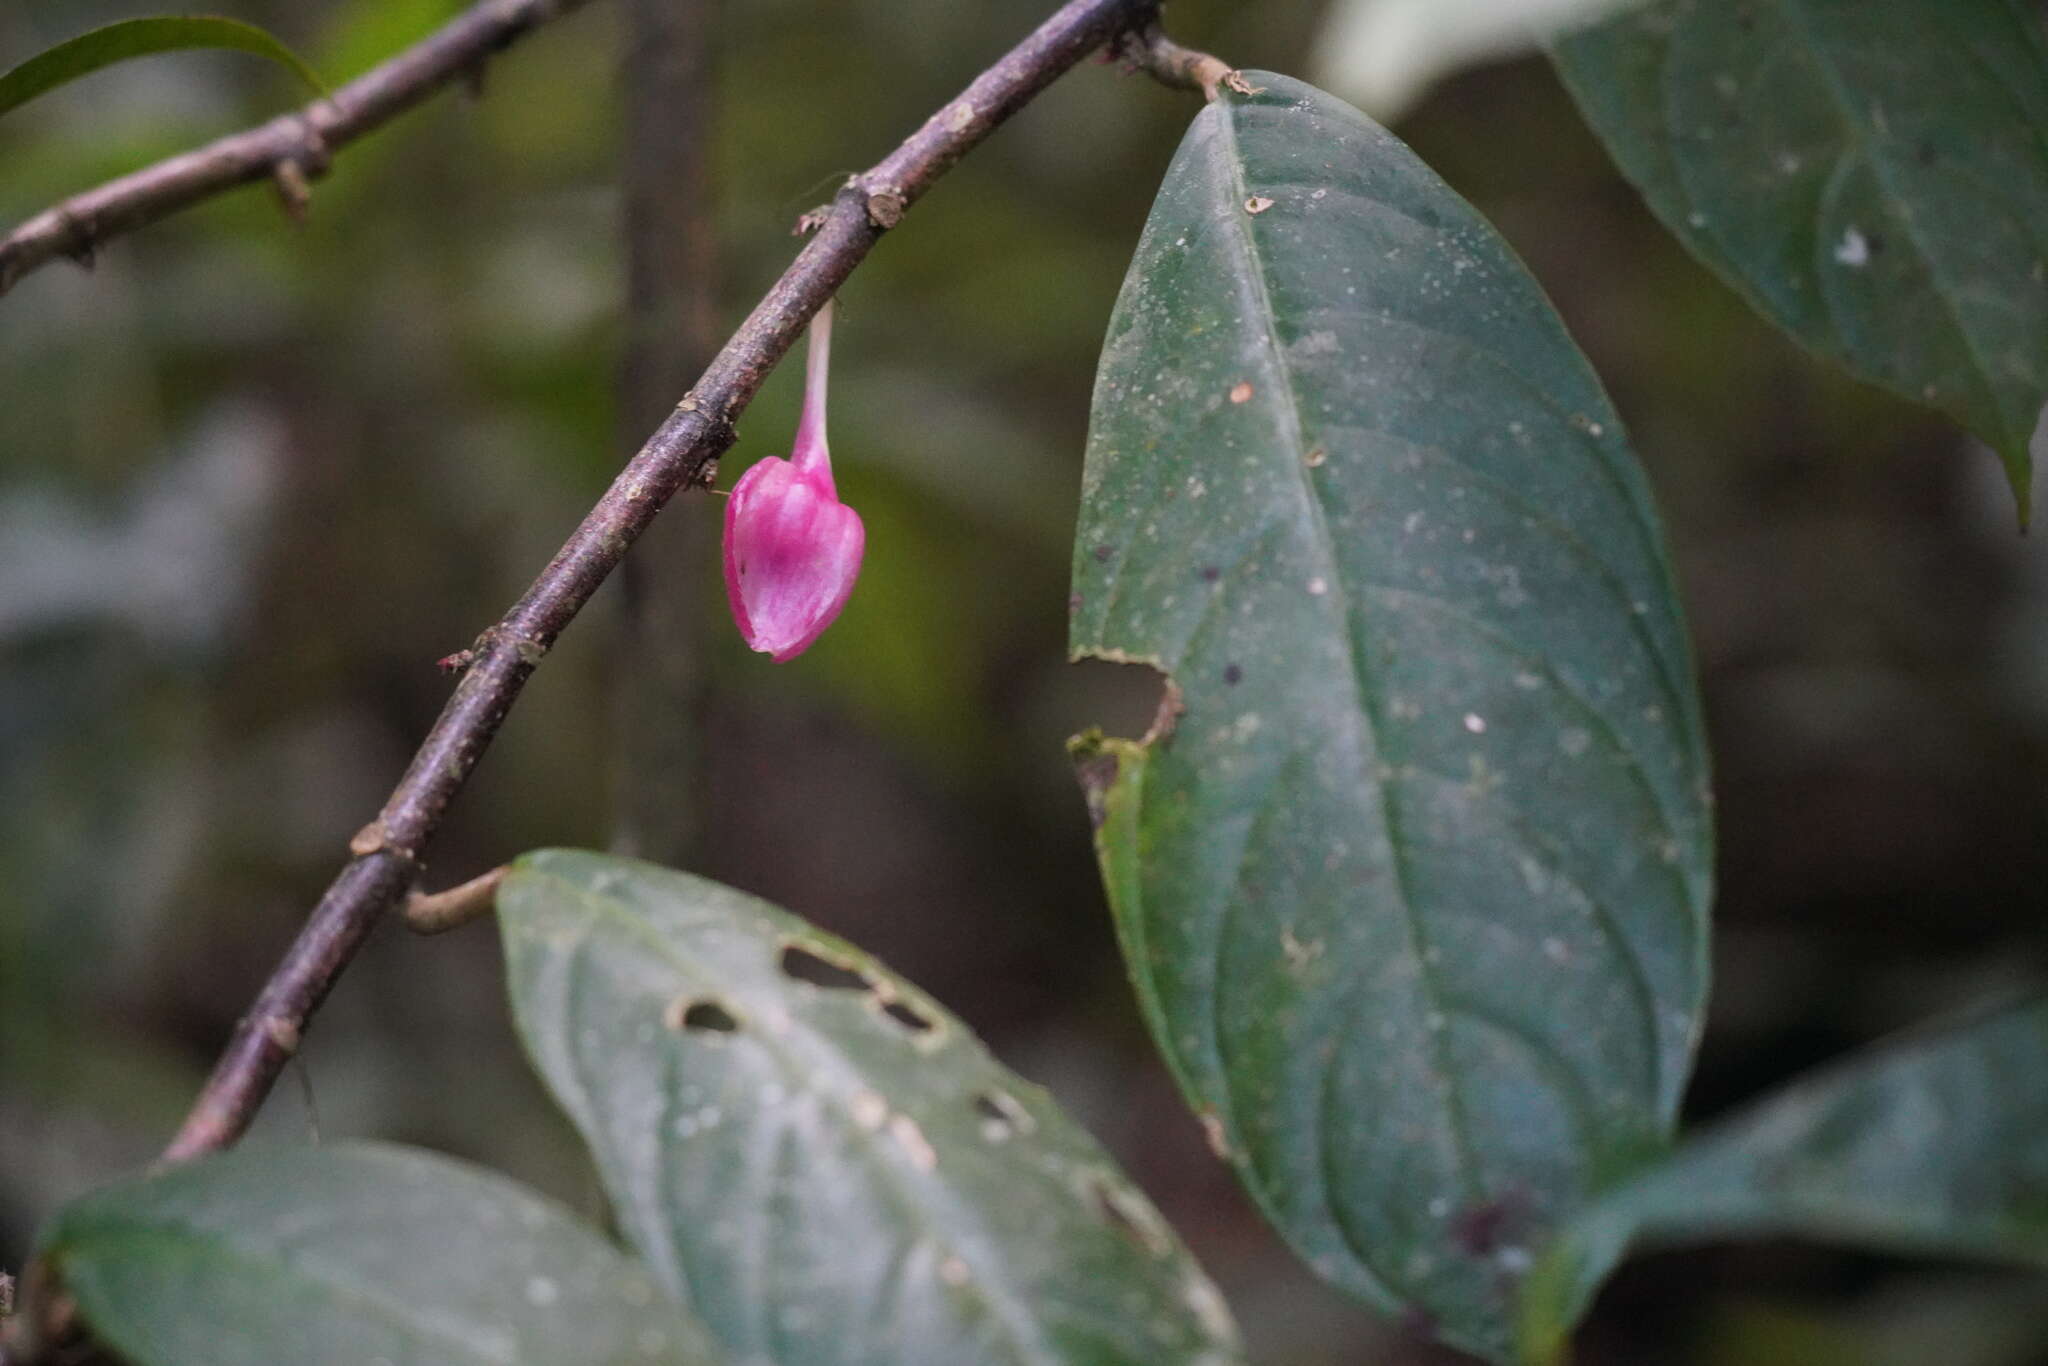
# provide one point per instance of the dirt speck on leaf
(1097, 774)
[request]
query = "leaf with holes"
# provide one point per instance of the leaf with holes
(1873, 177)
(1412, 875)
(814, 1154)
(132, 38)
(1929, 1145)
(354, 1253)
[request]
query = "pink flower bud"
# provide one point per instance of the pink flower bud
(792, 549)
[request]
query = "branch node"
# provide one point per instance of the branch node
(885, 208)
(720, 437)
(370, 839)
(283, 1033)
(83, 246)
(315, 156)
(439, 912)
(530, 649)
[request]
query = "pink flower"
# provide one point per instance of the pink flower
(792, 549)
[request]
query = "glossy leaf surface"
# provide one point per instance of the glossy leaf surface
(1932, 1145)
(354, 1253)
(815, 1154)
(1872, 177)
(1413, 877)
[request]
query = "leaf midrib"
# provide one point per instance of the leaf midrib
(1339, 600)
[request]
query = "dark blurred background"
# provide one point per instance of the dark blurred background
(256, 478)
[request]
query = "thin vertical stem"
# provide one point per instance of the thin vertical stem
(808, 452)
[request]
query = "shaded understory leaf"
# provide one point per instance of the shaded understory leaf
(1414, 890)
(354, 1253)
(1872, 177)
(1933, 1144)
(129, 38)
(805, 1147)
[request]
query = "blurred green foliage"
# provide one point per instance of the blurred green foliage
(256, 478)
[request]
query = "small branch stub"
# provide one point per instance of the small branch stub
(294, 191)
(885, 208)
(439, 912)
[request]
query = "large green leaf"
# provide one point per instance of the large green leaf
(1414, 886)
(355, 1253)
(818, 1157)
(1872, 176)
(1936, 1144)
(130, 38)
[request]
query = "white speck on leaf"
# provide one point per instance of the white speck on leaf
(915, 1145)
(1853, 250)
(868, 1109)
(1475, 723)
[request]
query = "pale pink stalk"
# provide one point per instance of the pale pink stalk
(792, 549)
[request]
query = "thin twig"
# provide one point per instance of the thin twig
(1166, 61)
(680, 454)
(292, 149)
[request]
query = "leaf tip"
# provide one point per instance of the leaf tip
(2018, 460)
